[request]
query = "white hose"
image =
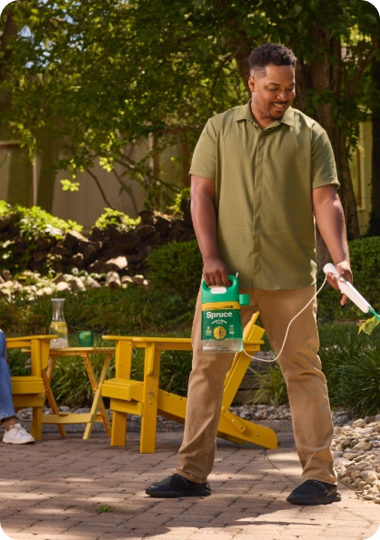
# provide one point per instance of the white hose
(287, 330)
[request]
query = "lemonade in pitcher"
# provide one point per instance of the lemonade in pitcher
(58, 325)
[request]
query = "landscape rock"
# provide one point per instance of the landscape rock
(61, 249)
(77, 261)
(147, 217)
(63, 286)
(60, 278)
(90, 254)
(97, 235)
(91, 283)
(361, 465)
(145, 231)
(45, 290)
(6, 275)
(7, 285)
(162, 225)
(77, 285)
(114, 265)
(138, 279)
(127, 241)
(72, 238)
(113, 280)
(39, 256)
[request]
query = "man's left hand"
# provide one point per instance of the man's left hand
(344, 271)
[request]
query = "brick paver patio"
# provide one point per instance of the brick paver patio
(52, 490)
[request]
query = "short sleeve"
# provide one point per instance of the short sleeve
(323, 166)
(203, 162)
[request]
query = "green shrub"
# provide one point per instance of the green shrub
(117, 219)
(175, 370)
(351, 364)
(365, 263)
(176, 268)
(29, 225)
(70, 383)
(272, 387)
(131, 311)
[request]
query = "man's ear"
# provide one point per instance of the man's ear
(251, 83)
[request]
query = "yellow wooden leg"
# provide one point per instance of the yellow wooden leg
(260, 435)
(51, 399)
(119, 429)
(97, 401)
(36, 428)
(149, 418)
(123, 363)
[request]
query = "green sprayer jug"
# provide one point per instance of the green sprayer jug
(222, 330)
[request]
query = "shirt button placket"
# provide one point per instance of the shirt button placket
(257, 240)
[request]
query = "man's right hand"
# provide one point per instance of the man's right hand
(215, 272)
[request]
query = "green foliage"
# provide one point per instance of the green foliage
(70, 382)
(131, 311)
(105, 508)
(369, 325)
(175, 370)
(272, 387)
(67, 185)
(351, 364)
(365, 263)
(176, 268)
(194, 56)
(183, 194)
(35, 221)
(117, 219)
(30, 225)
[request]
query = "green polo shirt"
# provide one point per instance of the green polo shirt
(264, 180)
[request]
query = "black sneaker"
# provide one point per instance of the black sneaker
(313, 492)
(178, 486)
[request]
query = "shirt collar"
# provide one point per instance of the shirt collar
(245, 113)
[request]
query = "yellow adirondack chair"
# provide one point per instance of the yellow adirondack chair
(146, 399)
(29, 390)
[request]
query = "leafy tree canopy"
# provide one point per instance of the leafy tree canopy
(102, 74)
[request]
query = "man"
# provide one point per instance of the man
(260, 173)
(14, 432)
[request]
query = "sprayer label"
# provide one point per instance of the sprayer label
(219, 306)
(221, 325)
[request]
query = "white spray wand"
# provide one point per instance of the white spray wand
(345, 288)
(350, 291)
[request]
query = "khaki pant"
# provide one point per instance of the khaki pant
(301, 366)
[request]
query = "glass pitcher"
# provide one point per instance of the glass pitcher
(58, 325)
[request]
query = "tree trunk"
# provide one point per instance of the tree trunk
(374, 227)
(319, 75)
(10, 30)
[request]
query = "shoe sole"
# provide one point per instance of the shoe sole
(176, 494)
(335, 497)
(18, 443)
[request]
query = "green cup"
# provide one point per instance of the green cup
(86, 338)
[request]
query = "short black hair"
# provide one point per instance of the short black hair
(270, 53)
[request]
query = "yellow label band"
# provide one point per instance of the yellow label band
(213, 306)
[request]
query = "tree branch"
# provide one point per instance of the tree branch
(99, 187)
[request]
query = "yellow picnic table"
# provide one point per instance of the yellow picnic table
(97, 412)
